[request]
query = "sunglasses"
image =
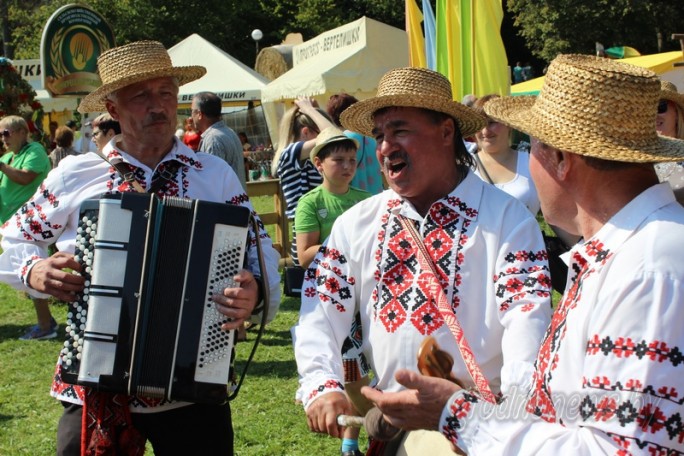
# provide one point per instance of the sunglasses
(6, 133)
(662, 106)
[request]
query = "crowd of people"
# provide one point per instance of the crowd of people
(415, 218)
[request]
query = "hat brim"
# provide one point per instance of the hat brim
(519, 113)
(95, 101)
(359, 116)
(314, 152)
(676, 98)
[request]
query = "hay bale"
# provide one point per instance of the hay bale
(274, 60)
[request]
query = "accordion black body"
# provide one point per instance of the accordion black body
(145, 324)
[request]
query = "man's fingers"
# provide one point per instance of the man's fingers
(371, 394)
(410, 379)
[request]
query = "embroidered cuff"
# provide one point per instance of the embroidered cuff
(329, 386)
(455, 414)
(26, 269)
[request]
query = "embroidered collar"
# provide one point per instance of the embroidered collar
(180, 152)
(464, 199)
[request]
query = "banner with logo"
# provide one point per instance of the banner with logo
(73, 39)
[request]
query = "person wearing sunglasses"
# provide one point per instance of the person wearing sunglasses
(104, 129)
(670, 123)
(22, 169)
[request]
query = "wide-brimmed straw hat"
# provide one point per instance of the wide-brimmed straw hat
(415, 88)
(135, 62)
(668, 91)
(593, 106)
(328, 136)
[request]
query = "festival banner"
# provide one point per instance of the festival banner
(73, 39)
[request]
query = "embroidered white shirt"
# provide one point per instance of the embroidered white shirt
(608, 376)
(490, 256)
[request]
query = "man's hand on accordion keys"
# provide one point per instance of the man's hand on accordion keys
(51, 276)
(239, 302)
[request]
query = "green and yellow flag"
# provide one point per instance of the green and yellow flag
(470, 51)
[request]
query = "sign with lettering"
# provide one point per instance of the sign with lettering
(351, 36)
(73, 39)
(30, 70)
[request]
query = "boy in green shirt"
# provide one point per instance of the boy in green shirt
(334, 156)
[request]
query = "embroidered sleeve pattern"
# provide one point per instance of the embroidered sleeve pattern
(527, 275)
(330, 283)
(458, 411)
(329, 386)
(23, 273)
(32, 220)
(633, 411)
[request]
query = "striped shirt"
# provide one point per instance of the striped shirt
(296, 177)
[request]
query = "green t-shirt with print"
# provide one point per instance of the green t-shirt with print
(318, 209)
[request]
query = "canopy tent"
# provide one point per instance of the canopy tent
(56, 104)
(351, 58)
(662, 64)
(226, 76)
(238, 86)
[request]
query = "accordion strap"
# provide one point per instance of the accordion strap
(448, 314)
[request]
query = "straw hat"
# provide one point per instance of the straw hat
(415, 88)
(668, 91)
(593, 106)
(328, 136)
(135, 62)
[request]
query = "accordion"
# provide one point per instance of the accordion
(145, 324)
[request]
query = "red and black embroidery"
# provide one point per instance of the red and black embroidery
(541, 402)
(401, 294)
(632, 445)
(458, 412)
(624, 347)
(330, 384)
(189, 161)
(26, 267)
(648, 417)
(239, 200)
(633, 385)
(331, 287)
(31, 219)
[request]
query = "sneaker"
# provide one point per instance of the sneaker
(352, 453)
(35, 333)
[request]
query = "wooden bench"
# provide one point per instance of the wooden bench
(281, 239)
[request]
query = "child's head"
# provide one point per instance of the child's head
(335, 155)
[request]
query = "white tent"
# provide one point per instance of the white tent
(351, 58)
(226, 76)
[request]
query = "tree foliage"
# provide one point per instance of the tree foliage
(226, 23)
(551, 27)
(548, 27)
